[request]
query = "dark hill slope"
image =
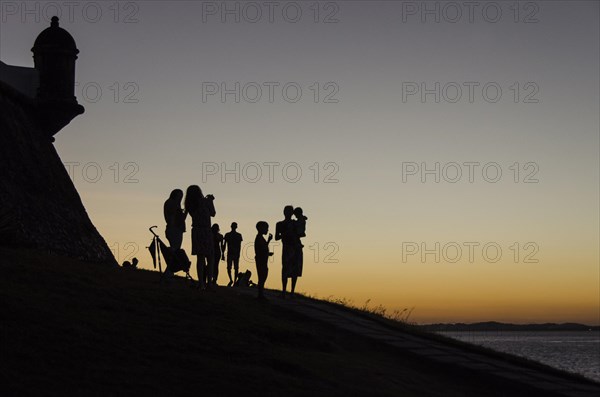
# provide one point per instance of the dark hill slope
(68, 329)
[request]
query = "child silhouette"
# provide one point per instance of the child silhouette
(261, 252)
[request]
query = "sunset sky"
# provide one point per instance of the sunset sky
(351, 110)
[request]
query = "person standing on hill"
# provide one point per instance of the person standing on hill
(261, 256)
(285, 231)
(201, 209)
(175, 219)
(218, 241)
(233, 245)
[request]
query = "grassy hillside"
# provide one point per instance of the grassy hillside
(70, 328)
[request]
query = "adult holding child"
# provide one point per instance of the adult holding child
(285, 231)
(201, 209)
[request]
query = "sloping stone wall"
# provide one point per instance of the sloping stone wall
(39, 205)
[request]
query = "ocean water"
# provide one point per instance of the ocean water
(574, 351)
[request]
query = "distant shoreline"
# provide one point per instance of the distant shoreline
(496, 326)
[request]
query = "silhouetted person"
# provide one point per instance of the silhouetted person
(201, 209)
(175, 219)
(261, 256)
(219, 249)
(300, 225)
(233, 246)
(131, 265)
(244, 279)
(284, 231)
(299, 232)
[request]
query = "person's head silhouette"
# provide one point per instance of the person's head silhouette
(234, 226)
(288, 211)
(176, 195)
(262, 227)
(298, 213)
(216, 228)
(193, 195)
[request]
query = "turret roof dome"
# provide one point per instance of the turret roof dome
(55, 37)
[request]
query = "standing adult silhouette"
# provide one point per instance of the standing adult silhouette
(285, 231)
(219, 249)
(201, 209)
(233, 245)
(175, 219)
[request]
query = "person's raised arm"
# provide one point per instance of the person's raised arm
(211, 205)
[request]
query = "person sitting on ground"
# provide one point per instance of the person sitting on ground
(243, 279)
(130, 265)
(261, 252)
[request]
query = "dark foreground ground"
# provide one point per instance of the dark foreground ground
(70, 328)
